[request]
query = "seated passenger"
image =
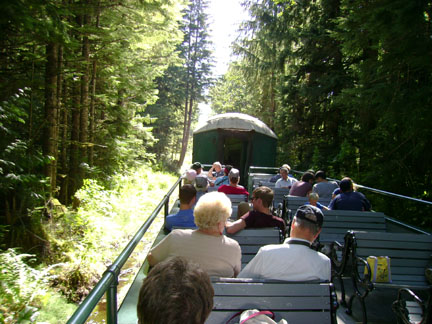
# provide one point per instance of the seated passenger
(217, 254)
(184, 217)
(336, 192)
(279, 175)
(313, 200)
(294, 259)
(189, 177)
(260, 216)
(223, 180)
(323, 187)
(215, 171)
(201, 180)
(284, 181)
(233, 188)
(304, 187)
(348, 199)
(175, 291)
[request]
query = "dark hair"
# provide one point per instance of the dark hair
(307, 176)
(346, 184)
(265, 194)
(175, 291)
(320, 174)
(227, 169)
(187, 193)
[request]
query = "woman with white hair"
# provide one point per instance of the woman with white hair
(217, 254)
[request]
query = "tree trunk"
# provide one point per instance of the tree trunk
(84, 116)
(93, 99)
(50, 126)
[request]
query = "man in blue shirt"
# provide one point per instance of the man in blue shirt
(184, 217)
(349, 199)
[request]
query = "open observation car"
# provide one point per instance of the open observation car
(246, 143)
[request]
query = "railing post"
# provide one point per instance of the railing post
(111, 296)
(166, 209)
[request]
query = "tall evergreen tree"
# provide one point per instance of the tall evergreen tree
(195, 50)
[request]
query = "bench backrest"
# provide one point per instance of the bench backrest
(338, 222)
(296, 302)
(279, 194)
(236, 199)
(409, 254)
(257, 178)
(294, 202)
(269, 184)
(252, 239)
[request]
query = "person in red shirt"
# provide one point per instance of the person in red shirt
(233, 188)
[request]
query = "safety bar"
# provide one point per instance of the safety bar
(108, 282)
(382, 192)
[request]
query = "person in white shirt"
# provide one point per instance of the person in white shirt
(294, 260)
(285, 181)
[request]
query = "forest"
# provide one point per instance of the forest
(99, 96)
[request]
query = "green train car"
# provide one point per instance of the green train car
(237, 139)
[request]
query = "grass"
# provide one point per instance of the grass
(82, 245)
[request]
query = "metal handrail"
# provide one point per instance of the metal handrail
(382, 192)
(108, 282)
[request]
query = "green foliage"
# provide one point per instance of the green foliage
(235, 93)
(88, 240)
(22, 184)
(346, 87)
(22, 287)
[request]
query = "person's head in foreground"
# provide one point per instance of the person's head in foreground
(307, 223)
(175, 291)
(212, 211)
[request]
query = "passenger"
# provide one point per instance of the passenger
(201, 180)
(215, 171)
(233, 188)
(260, 216)
(313, 200)
(190, 177)
(197, 167)
(175, 291)
(284, 181)
(184, 217)
(323, 187)
(336, 192)
(294, 259)
(279, 175)
(304, 187)
(214, 252)
(223, 180)
(348, 199)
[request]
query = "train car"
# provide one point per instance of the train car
(237, 139)
(249, 144)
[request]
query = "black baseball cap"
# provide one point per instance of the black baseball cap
(311, 214)
(196, 166)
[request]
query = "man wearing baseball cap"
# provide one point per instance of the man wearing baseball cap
(293, 260)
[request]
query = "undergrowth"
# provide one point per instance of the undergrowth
(82, 244)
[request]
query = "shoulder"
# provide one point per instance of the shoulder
(180, 233)
(231, 243)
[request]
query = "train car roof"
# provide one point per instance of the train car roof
(236, 121)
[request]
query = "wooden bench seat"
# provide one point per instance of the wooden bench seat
(297, 302)
(338, 222)
(279, 195)
(409, 255)
(251, 240)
